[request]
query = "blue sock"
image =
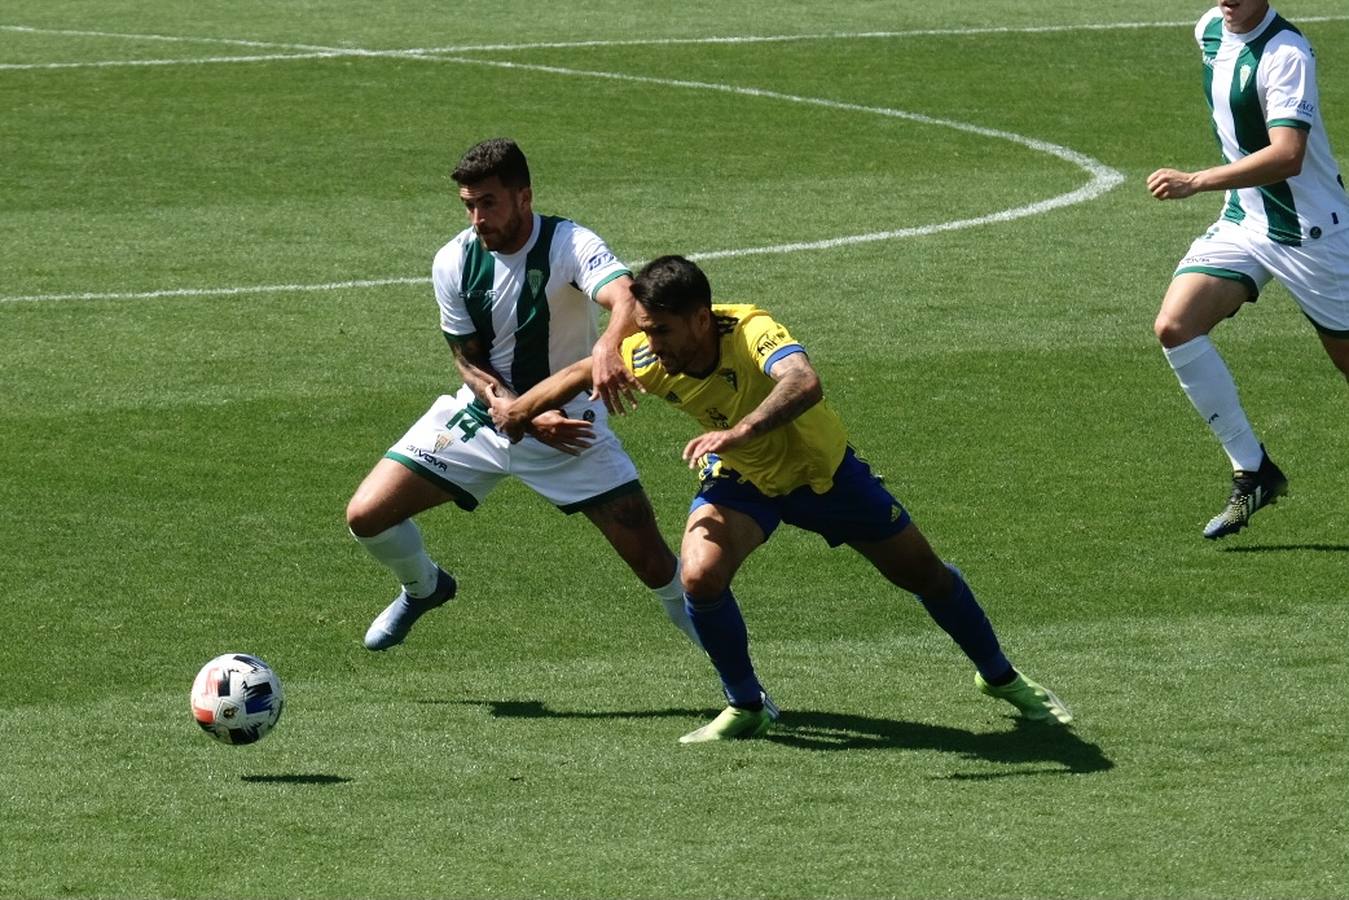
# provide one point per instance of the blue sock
(960, 616)
(722, 631)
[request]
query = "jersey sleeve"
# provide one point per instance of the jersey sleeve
(445, 279)
(587, 260)
(766, 341)
(642, 363)
(1290, 86)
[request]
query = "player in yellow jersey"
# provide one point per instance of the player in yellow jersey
(772, 451)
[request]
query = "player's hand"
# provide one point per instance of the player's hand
(571, 436)
(1171, 184)
(507, 419)
(713, 442)
(612, 381)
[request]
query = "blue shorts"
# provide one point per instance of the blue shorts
(856, 508)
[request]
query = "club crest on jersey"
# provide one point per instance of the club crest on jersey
(535, 278)
(1245, 75)
(729, 375)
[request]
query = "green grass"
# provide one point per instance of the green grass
(175, 470)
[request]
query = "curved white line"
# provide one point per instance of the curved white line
(1103, 177)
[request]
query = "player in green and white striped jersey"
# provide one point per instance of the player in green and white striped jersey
(517, 294)
(1286, 217)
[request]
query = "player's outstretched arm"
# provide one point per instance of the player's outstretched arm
(612, 381)
(798, 388)
(513, 416)
(1279, 161)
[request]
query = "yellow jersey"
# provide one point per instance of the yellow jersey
(804, 451)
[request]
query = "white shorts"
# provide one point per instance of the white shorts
(1316, 273)
(457, 450)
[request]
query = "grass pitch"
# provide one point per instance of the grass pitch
(218, 224)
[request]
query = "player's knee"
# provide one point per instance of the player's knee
(1170, 331)
(656, 568)
(703, 586)
(365, 519)
(934, 579)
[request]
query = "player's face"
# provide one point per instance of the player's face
(501, 216)
(1240, 16)
(681, 343)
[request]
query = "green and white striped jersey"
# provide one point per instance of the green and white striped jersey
(1256, 81)
(532, 308)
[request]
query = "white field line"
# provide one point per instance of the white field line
(838, 35)
(194, 61)
(647, 42)
(219, 292)
(1103, 177)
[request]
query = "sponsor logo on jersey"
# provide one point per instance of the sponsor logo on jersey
(479, 297)
(718, 417)
(426, 458)
(600, 259)
(766, 344)
(1307, 108)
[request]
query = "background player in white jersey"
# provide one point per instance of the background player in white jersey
(1286, 216)
(515, 292)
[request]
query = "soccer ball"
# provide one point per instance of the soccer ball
(236, 698)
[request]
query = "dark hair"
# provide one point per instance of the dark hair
(501, 157)
(672, 284)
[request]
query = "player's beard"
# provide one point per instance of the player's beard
(508, 235)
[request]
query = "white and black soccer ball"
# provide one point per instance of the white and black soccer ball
(236, 698)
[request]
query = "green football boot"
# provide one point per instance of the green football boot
(734, 723)
(1036, 702)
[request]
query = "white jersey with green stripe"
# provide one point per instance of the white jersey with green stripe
(1256, 81)
(533, 308)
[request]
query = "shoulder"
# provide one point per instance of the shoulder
(1206, 23)
(639, 360)
(735, 316)
(1286, 44)
(745, 318)
(451, 255)
(567, 234)
(570, 238)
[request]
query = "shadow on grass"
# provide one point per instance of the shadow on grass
(1285, 548)
(1027, 743)
(294, 779)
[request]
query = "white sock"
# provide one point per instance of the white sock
(672, 598)
(1207, 382)
(400, 548)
